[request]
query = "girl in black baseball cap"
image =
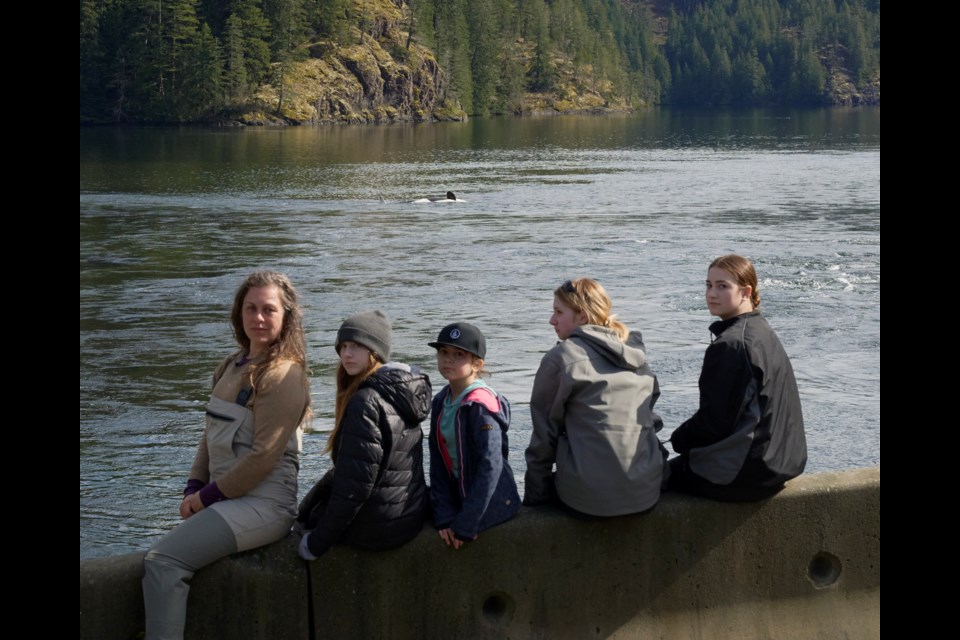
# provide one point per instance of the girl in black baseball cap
(472, 487)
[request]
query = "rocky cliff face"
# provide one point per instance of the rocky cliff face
(381, 78)
(357, 84)
(366, 83)
(385, 77)
(842, 87)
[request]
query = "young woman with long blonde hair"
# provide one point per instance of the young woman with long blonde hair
(592, 411)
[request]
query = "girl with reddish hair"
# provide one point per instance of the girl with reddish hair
(747, 437)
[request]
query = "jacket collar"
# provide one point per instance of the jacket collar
(720, 326)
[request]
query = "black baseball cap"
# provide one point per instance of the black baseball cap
(462, 335)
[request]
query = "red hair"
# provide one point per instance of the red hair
(743, 274)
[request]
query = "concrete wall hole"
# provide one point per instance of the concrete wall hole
(498, 608)
(824, 569)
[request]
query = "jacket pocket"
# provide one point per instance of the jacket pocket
(224, 420)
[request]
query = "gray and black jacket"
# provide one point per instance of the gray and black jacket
(748, 431)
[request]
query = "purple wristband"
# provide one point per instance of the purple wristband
(210, 494)
(193, 485)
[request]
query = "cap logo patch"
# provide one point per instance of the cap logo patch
(455, 334)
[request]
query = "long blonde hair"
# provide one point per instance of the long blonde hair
(587, 296)
(347, 385)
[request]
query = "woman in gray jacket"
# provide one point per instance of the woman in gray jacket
(592, 411)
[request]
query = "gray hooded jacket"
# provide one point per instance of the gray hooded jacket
(592, 411)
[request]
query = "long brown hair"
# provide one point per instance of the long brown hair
(347, 385)
(289, 345)
(743, 274)
(587, 296)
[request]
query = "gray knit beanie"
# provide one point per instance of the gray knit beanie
(369, 328)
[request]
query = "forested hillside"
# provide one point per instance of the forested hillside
(305, 61)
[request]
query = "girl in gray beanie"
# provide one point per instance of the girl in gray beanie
(370, 329)
(376, 446)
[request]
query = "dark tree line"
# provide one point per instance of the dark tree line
(186, 60)
(769, 51)
(182, 60)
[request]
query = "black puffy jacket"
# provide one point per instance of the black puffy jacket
(378, 495)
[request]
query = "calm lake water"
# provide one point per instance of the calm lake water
(171, 220)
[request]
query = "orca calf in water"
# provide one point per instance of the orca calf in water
(450, 197)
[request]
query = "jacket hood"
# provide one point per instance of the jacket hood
(406, 389)
(625, 355)
(497, 405)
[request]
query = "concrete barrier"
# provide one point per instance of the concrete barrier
(804, 564)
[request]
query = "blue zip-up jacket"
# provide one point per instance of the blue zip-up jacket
(486, 493)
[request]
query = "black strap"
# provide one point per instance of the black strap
(244, 396)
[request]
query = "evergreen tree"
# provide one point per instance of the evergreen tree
(256, 33)
(214, 13)
(748, 81)
(421, 24)
(287, 20)
(287, 26)
(329, 18)
(542, 73)
(454, 50)
(720, 76)
(140, 64)
(205, 75)
(569, 31)
(486, 53)
(180, 38)
(662, 77)
(808, 79)
(699, 73)
(235, 76)
(513, 82)
(91, 60)
(780, 66)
